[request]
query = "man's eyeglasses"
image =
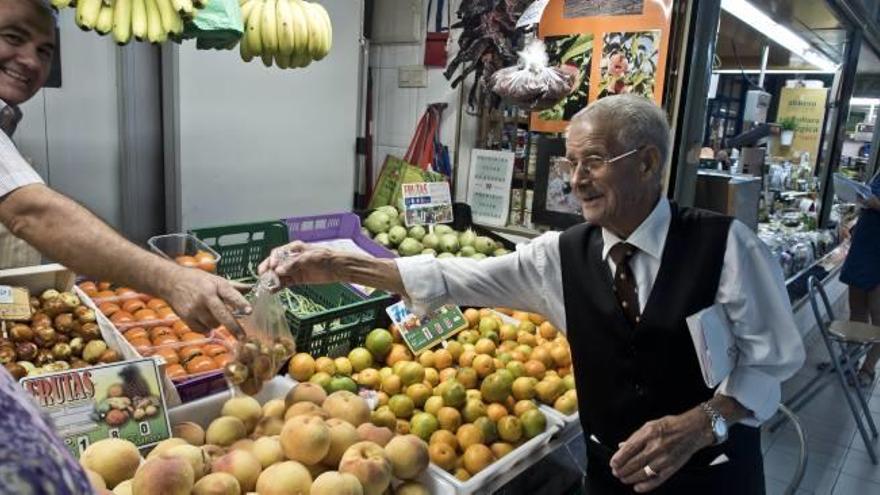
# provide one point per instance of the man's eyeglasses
(593, 164)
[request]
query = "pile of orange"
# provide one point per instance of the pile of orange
(202, 260)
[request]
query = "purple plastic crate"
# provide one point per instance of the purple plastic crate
(201, 386)
(334, 226)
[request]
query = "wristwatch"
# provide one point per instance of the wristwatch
(719, 424)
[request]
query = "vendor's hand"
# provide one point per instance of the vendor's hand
(872, 202)
(205, 301)
(665, 445)
(300, 264)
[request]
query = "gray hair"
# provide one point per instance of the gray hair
(632, 120)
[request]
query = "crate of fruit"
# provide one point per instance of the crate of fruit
(461, 238)
(147, 326)
(242, 247)
(330, 320)
(186, 250)
(63, 331)
(341, 231)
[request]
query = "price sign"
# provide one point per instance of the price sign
(14, 303)
(489, 186)
(420, 334)
(119, 400)
(427, 203)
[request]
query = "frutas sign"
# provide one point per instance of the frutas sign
(62, 388)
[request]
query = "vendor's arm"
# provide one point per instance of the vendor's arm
(525, 280)
(872, 202)
(66, 232)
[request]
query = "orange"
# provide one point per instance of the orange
(187, 261)
(145, 314)
(133, 305)
(156, 304)
(109, 308)
(175, 371)
(200, 364)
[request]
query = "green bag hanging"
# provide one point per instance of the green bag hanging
(218, 26)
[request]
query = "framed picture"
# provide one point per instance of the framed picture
(555, 203)
(575, 51)
(595, 8)
(629, 63)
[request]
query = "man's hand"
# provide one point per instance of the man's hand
(872, 202)
(300, 264)
(205, 301)
(665, 445)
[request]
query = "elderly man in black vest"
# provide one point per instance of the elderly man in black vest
(623, 285)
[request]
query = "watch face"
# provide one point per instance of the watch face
(720, 429)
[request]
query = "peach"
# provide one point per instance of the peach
(335, 483)
(241, 464)
(305, 409)
(342, 436)
(217, 484)
(164, 476)
(305, 392)
(165, 445)
(284, 478)
(408, 455)
(274, 409)
(113, 459)
(269, 426)
(191, 432)
(124, 488)
(347, 406)
(411, 488)
(305, 439)
(268, 451)
(370, 465)
(196, 457)
(95, 480)
(379, 435)
(225, 430)
(245, 408)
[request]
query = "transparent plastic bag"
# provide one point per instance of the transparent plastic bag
(267, 343)
(532, 84)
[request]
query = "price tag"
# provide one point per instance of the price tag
(427, 203)
(119, 400)
(15, 303)
(5, 294)
(420, 334)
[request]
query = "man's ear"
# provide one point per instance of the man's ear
(651, 161)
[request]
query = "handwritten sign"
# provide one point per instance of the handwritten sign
(427, 203)
(119, 400)
(420, 334)
(489, 186)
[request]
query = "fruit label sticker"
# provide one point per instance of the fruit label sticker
(420, 334)
(119, 400)
(427, 203)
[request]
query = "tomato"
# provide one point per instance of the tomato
(166, 314)
(156, 304)
(189, 352)
(169, 355)
(164, 340)
(175, 371)
(187, 261)
(214, 350)
(191, 337)
(157, 332)
(142, 346)
(133, 305)
(221, 360)
(124, 290)
(204, 256)
(200, 364)
(122, 317)
(104, 285)
(180, 326)
(135, 333)
(88, 285)
(109, 308)
(105, 294)
(145, 315)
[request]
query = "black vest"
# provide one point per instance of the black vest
(629, 375)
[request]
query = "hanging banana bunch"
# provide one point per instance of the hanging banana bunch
(143, 20)
(289, 33)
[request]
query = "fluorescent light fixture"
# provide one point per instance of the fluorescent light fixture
(754, 17)
(773, 71)
(864, 102)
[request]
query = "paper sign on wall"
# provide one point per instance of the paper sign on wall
(532, 14)
(120, 400)
(807, 107)
(420, 334)
(427, 203)
(489, 186)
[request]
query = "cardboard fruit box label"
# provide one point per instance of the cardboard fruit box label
(420, 334)
(119, 400)
(14, 303)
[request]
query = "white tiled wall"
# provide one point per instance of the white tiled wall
(397, 110)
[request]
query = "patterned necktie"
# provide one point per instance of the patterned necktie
(9, 118)
(625, 282)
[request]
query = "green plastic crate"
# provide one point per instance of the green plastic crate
(242, 247)
(343, 326)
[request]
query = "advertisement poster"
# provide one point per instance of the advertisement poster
(807, 106)
(427, 203)
(628, 42)
(489, 186)
(592, 8)
(420, 334)
(120, 400)
(560, 196)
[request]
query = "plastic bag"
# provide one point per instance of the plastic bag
(218, 26)
(267, 343)
(532, 84)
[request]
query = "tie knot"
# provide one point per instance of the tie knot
(9, 118)
(622, 252)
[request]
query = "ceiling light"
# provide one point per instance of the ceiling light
(864, 102)
(778, 33)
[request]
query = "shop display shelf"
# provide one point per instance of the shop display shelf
(344, 325)
(242, 247)
(524, 454)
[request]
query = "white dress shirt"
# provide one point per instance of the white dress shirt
(751, 291)
(15, 171)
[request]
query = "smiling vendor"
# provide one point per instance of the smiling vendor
(623, 284)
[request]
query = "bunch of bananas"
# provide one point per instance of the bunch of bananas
(292, 33)
(151, 20)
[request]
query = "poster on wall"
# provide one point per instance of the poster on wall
(629, 63)
(575, 51)
(489, 186)
(555, 202)
(625, 44)
(807, 107)
(592, 8)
